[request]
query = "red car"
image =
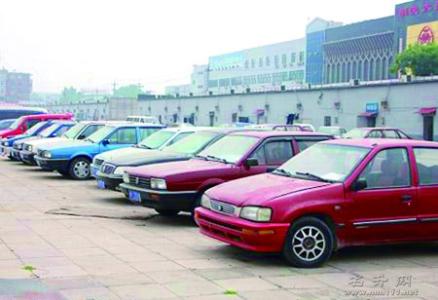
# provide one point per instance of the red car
(335, 194)
(178, 186)
(20, 125)
(376, 133)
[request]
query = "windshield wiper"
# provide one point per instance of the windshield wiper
(283, 172)
(201, 157)
(143, 146)
(313, 176)
(88, 140)
(222, 160)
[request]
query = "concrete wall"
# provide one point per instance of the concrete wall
(342, 104)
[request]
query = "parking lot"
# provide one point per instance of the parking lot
(66, 239)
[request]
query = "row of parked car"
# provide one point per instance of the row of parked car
(270, 188)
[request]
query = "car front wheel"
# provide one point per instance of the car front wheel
(309, 243)
(80, 168)
(167, 212)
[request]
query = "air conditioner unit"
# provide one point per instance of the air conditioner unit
(354, 82)
(384, 104)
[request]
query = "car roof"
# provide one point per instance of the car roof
(274, 133)
(62, 122)
(94, 122)
(377, 128)
(372, 143)
(127, 123)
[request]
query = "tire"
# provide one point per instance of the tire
(195, 205)
(309, 243)
(63, 173)
(79, 168)
(167, 212)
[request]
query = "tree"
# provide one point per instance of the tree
(419, 60)
(128, 91)
(70, 94)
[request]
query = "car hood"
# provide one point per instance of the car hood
(189, 168)
(66, 144)
(133, 156)
(256, 190)
(26, 139)
(48, 141)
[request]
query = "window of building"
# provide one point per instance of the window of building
(267, 61)
(260, 62)
(378, 69)
(284, 60)
(327, 121)
(372, 70)
(348, 71)
(366, 74)
(276, 61)
(246, 64)
(253, 63)
(384, 69)
(301, 59)
(293, 57)
(354, 75)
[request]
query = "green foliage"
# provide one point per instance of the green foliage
(29, 268)
(70, 94)
(419, 60)
(128, 91)
(230, 292)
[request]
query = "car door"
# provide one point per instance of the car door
(120, 138)
(270, 154)
(386, 209)
(427, 170)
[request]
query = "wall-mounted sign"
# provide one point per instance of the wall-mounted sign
(416, 9)
(372, 108)
(424, 33)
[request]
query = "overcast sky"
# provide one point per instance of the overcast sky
(92, 43)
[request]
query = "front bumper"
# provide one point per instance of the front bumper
(252, 236)
(6, 151)
(14, 154)
(27, 157)
(94, 169)
(112, 182)
(165, 200)
(52, 164)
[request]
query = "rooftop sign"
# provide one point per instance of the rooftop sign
(415, 8)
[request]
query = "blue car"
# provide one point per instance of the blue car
(79, 131)
(73, 158)
(56, 129)
(7, 143)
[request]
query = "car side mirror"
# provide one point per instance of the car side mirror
(251, 162)
(105, 142)
(359, 185)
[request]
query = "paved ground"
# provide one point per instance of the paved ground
(62, 239)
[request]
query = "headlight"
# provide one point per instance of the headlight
(158, 184)
(125, 177)
(205, 201)
(254, 213)
(47, 154)
(29, 148)
(119, 171)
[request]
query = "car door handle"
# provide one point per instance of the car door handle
(406, 198)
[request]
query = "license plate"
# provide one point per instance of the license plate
(134, 196)
(101, 184)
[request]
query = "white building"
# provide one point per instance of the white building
(266, 68)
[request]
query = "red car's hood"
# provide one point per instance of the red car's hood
(166, 170)
(256, 190)
(5, 132)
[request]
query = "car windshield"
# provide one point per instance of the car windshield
(16, 123)
(193, 143)
(229, 149)
(48, 131)
(101, 134)
(35, 128)
(329, 130)
(157, 139)
(356, 133)
(74, 131)
(5, 124)
(324, 162)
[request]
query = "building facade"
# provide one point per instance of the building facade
(14, 86)
(330, 53)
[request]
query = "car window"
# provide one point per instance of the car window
(179, 137)
(403, 135)
(375, 134)
(31, 123)
(391, 134)
(124, 136)
(305, 142)
(273, 153)
(389, 168)
(427, 164)
(145, 132)
(62, 130)
(90, 130)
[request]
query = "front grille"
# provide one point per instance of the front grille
(223, 208)
(98, 162)
(40, 153)
(108, 169)
(140, 182)
(18, 146)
